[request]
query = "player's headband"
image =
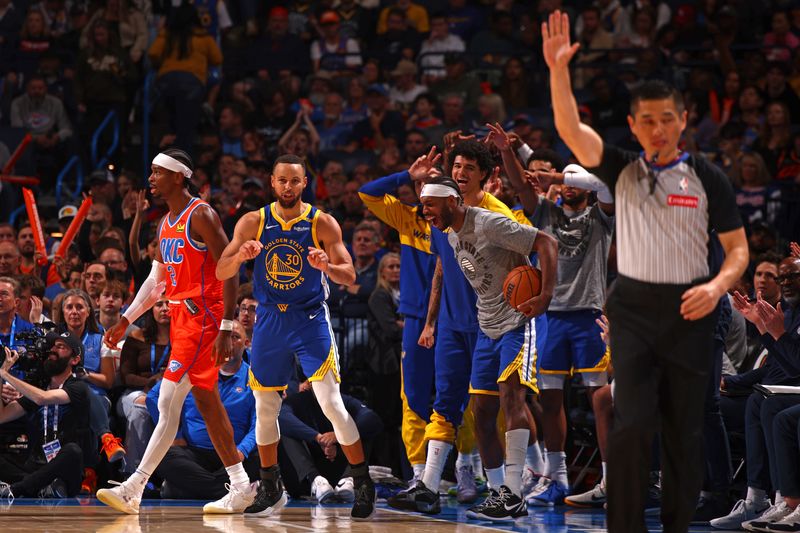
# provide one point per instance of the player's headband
(438, 191)
(170, 163)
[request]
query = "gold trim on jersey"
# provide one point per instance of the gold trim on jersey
(262, 217)
(287, 225)
(314, 221)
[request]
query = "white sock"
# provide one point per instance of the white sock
(496, 477)
(757, 496)
(477, 464)
(237, 475)
(138, 480)
(418, 469)
(516, 448)
(557, 467)
(434, 465)
(534, 459)
(463, 459)
(778, 497)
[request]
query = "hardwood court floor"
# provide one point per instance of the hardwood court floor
(87, 515)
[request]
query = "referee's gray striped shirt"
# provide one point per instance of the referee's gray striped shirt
(663, 237)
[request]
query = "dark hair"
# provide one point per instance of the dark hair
(244, 292)
(546, 154)
(186, 159)
(34, 283)
(768, 257)
(447, 182)
(180, 27)
(150, 327)
(114, 286)
(594, 9)
(289, 159)
(656, 90)
(430, 97)
(476, 151)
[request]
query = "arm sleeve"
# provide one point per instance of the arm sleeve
(292, 426)
(525, 152)
(577, 176)
(148, 293)
(614, 160)
(508, 234)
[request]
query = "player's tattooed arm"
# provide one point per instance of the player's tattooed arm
(333, 259)
(426, 338)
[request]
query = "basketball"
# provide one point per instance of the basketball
(522, 284)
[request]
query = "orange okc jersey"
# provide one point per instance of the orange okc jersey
(190, 266)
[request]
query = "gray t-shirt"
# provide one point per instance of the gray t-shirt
(487, 248)
(584, 239)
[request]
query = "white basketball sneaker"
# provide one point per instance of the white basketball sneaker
(122, 497)
(236, 501)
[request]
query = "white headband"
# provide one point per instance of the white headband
(170, 163)
(437, 191)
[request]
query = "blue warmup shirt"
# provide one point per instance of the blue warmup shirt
(239, 402)
(458, 309)
(416, 260)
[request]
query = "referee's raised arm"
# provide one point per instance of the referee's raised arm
(584, 142)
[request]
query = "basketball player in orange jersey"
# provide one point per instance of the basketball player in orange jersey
(296, 248)
(191, 241)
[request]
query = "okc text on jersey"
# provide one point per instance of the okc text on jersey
(284, 264)
(171, 250)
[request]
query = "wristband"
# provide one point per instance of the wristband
(226, 325)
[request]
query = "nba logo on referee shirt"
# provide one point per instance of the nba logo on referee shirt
(684, 184)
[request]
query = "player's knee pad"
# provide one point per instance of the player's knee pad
(268, 406)
(330, 401)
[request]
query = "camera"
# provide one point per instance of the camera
(33, 351)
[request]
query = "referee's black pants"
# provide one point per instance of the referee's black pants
(661, 367)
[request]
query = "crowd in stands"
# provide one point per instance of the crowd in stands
(360, 89)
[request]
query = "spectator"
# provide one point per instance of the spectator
(272, 118)
(514, 88)
(183, 53)
(592, 36)
(7, 232)
(722, 104)
(9, 258)
(416, 15)
(310, 458)
(191, 468)
(417, 142)
(277, 51)
(246, 306)
(457, 82)
(751, 106)
(12, 324)
(334, 52)
(253, 146)
(42, 116)
(780, 43)
(355, 23)
(774, 142)
(778, 89)
(399, 41)
(491, 110)
(333, 132)
(405, 88)
(113, 294)
(130, 27)
(231, 130)
(439, 43)
(642, 33)
(27, 249)
(102, 73)
(757, 200)
(661, 8)
(144, 358)
(496, 44)
(614, 18)
(112, 255)
(386, 334)
(55, 16)
(72, 432)
(31, 298)
(463, 20)
(34, 40)
(10, 22)
(384, 127)
(356, 108)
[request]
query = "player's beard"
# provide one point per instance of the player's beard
(576, 200)
(288, 204)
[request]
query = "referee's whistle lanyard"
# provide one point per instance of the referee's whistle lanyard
(153, 367)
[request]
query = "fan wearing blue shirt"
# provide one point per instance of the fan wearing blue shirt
(192, 469)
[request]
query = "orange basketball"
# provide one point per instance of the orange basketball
(522, 284)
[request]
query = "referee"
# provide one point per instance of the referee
(662, 309)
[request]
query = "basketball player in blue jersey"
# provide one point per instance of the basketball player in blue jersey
(296, 249)
(416, 271)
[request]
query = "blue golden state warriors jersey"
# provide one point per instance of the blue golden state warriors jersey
(282, 275)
